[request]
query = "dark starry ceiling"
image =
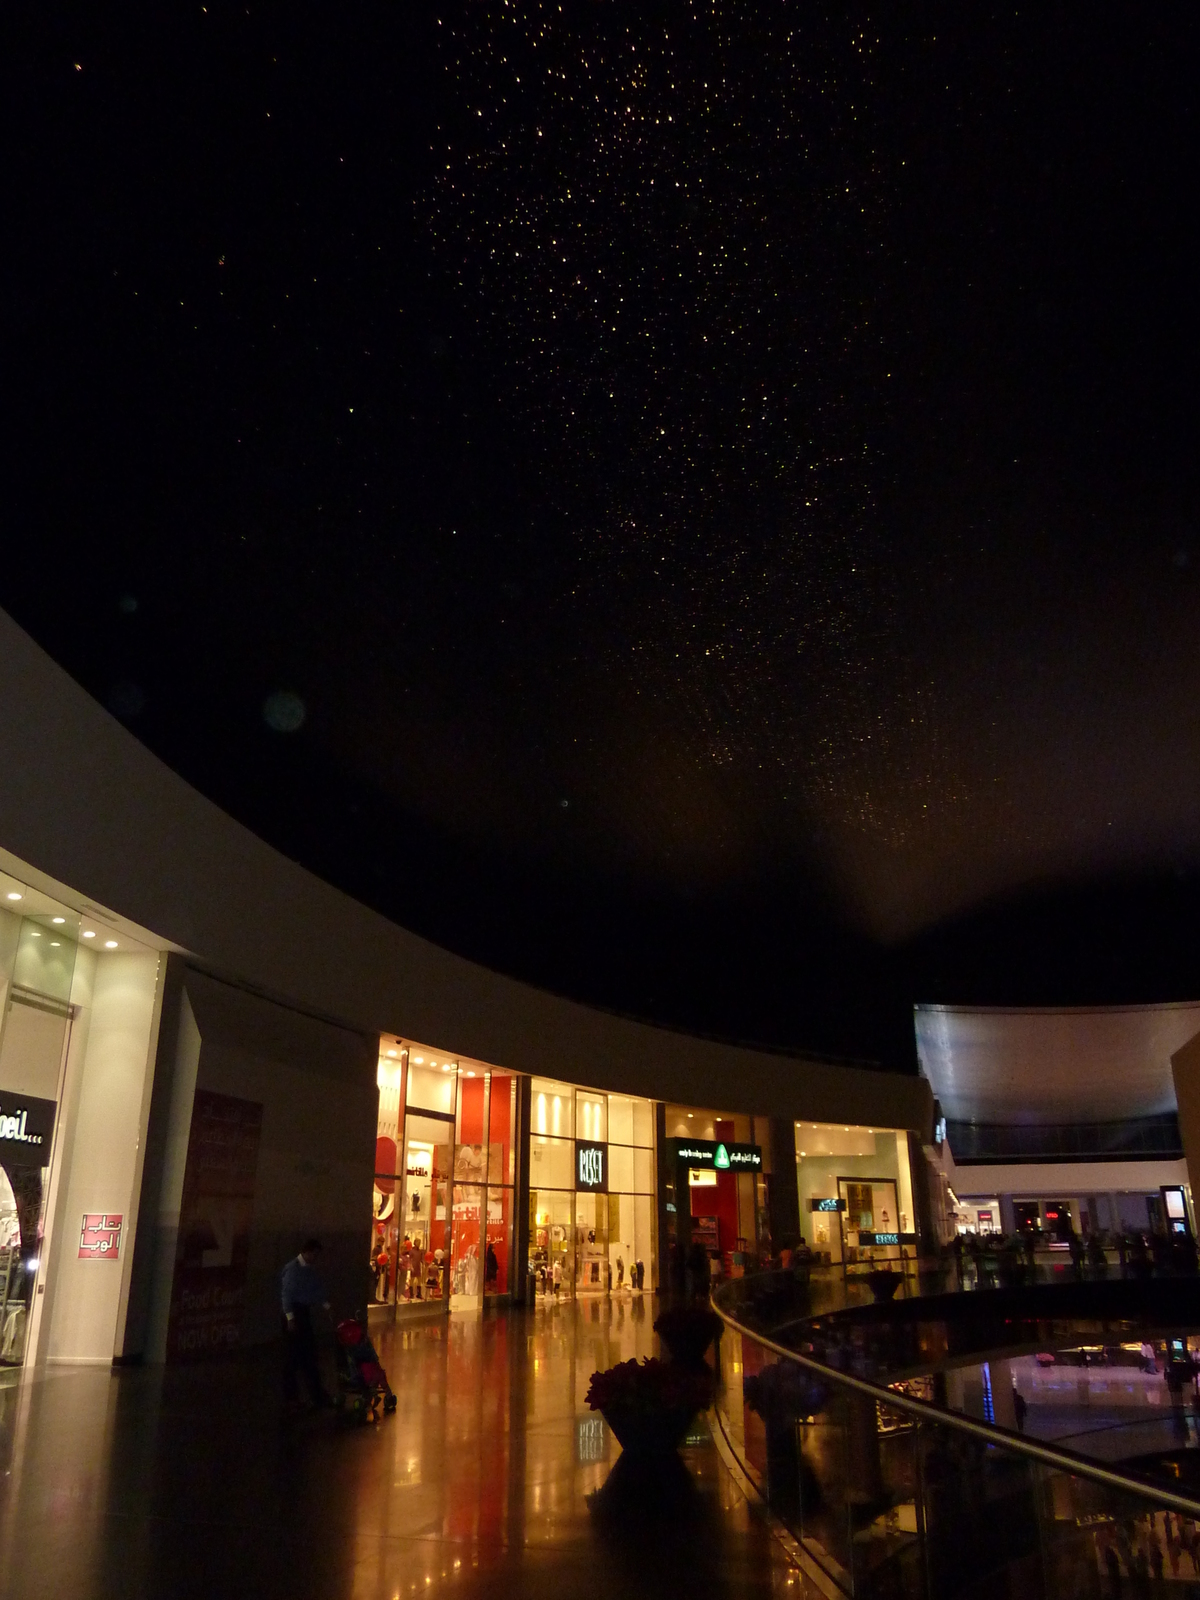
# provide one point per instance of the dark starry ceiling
(717, 482)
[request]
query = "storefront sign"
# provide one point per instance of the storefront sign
(865, 1237)
(717, 1155)
(213, 1253)
(591, 1166)
(826, 1204)
(26, 1129)
(100, 1236)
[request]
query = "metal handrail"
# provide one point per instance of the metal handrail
(925, 1411)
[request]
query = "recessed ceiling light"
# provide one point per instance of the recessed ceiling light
(110, 944)
(55, 944)
(804, 1152)
(432, 1062)
(34, 934)
(418, 1059)
(690, 1114)
(13, 895)
(89, 934)
(391, 1052)
(58, 921)
(470, 1074)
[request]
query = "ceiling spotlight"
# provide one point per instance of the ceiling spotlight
(89, 934)
(110, 944)
(418, 1059)
(13, 895)
(58, 921)
(34, 934)
(391, 1053)
(690, 1115)
(55, 944)
(432, 1062)
(470, 1074)
(447, 1066)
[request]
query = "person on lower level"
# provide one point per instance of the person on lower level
(301, 1292)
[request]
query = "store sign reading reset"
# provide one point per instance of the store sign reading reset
(591, 1166)
(26, 1129)
(717, 1155)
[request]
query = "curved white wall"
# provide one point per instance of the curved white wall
(125, 831)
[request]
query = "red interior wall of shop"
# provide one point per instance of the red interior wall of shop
(501, 1134)
(470, 1100)
(720, 1202)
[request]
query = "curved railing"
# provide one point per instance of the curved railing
(892, 1496)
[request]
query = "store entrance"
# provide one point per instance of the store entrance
(421, 1263)
(592, 1267)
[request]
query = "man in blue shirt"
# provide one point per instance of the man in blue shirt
(302, 1289)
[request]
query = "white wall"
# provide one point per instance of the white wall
(57, 1230)
(101, 1169)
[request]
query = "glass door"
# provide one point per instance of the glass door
(421, 1273)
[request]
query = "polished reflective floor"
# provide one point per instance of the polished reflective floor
(493, 1478)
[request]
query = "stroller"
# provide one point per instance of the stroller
(362, 1382)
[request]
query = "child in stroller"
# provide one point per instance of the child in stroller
(362, 1382)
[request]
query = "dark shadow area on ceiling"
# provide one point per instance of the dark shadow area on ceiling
(1132, 940)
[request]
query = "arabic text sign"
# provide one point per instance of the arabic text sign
(100, 1236)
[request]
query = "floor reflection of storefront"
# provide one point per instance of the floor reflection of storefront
(591, 1191)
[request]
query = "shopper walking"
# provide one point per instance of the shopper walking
(302, 1290)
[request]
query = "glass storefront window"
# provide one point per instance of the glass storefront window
(591, 1243)
(551, 1163)
(551, 1241)
(630, 1121)
(466, 1255)
(591, 1116)
(431, 1087)
(553, 1108)
(502, 1118)
(424, 1192)
(38, 957)
(498, 1246)
(595, 1239)
(866, 1169)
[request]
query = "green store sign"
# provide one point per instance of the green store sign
(716, 1155)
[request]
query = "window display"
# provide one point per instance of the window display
(591, 1196)
(410, 1237)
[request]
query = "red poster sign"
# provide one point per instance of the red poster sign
(100, 1236)
(211, 1258)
